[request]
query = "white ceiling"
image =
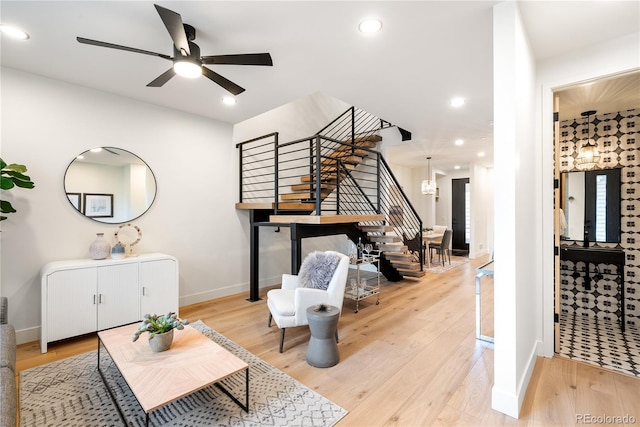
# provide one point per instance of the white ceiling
(426, 53)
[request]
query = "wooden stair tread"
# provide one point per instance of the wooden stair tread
(324, 219)
(392, 248)
(296, 206)
(408, 263)
(385, 239)
(397, 255)
(411, 273)
(312, 187)
(324, 177)
(344, 158)
(376, 228)
(302, 196)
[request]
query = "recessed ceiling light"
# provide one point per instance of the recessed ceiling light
(459, 142)
(229, 100)
(456, 167)
(370, 25)
(481, 154)
(13, 32)
(457, 101)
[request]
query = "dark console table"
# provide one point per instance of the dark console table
(595, 255)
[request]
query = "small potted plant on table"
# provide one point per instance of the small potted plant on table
(160, 330)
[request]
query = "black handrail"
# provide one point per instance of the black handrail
(335, 170)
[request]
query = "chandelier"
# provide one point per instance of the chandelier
(428, 185)
(588, 156)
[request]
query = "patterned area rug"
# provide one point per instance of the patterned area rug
(437, 268)
(70, 392)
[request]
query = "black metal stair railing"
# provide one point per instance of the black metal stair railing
(336, 171)
(257, 166)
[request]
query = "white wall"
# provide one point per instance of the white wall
(481, 201)
(597, 61)
(517, 201)
(46, 123)
(297, 119)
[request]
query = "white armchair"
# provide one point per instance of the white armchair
(288, 305)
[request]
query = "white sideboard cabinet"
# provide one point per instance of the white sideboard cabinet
(83, 296)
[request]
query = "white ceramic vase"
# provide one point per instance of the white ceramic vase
(100, 248)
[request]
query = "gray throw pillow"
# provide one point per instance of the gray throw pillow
(317, 270)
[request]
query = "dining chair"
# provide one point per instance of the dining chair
(442, 247)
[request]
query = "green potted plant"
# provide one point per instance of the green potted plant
(160, 329)
(12, 176)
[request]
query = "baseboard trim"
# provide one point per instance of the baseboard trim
(226, 291)
(511, 403)
(28, 335)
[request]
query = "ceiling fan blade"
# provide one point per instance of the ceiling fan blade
(173, 22)
(110, 151)
(241, 59)
(226, 84)
(162, 78)
(117, 46)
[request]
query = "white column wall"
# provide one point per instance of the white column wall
(517, 201)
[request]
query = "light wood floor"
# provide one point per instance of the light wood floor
(411, 361)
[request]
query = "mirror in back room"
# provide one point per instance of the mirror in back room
(591, 205)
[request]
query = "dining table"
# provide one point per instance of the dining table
(429, 237)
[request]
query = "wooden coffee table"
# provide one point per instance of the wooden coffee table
(156, 379)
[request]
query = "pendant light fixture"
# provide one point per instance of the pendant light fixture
(588, 156)
(429, 185)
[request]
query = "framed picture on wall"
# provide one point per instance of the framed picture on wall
(97, 205)
(75, 200)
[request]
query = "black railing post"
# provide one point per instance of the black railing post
(378, 193)
(240, 173)
(276, 180)
(318, 163)
(353, 128)
(338, 166)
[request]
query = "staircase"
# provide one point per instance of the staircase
(338, 173)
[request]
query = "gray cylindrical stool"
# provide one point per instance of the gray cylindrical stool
(323, 349)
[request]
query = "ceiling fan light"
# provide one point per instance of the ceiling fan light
(187, 69)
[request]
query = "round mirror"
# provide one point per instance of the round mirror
(110, 185)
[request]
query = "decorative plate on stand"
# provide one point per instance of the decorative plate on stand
(128, 235)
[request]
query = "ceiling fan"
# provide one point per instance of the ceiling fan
(186, 58)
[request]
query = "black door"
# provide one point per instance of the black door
(459, 243)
